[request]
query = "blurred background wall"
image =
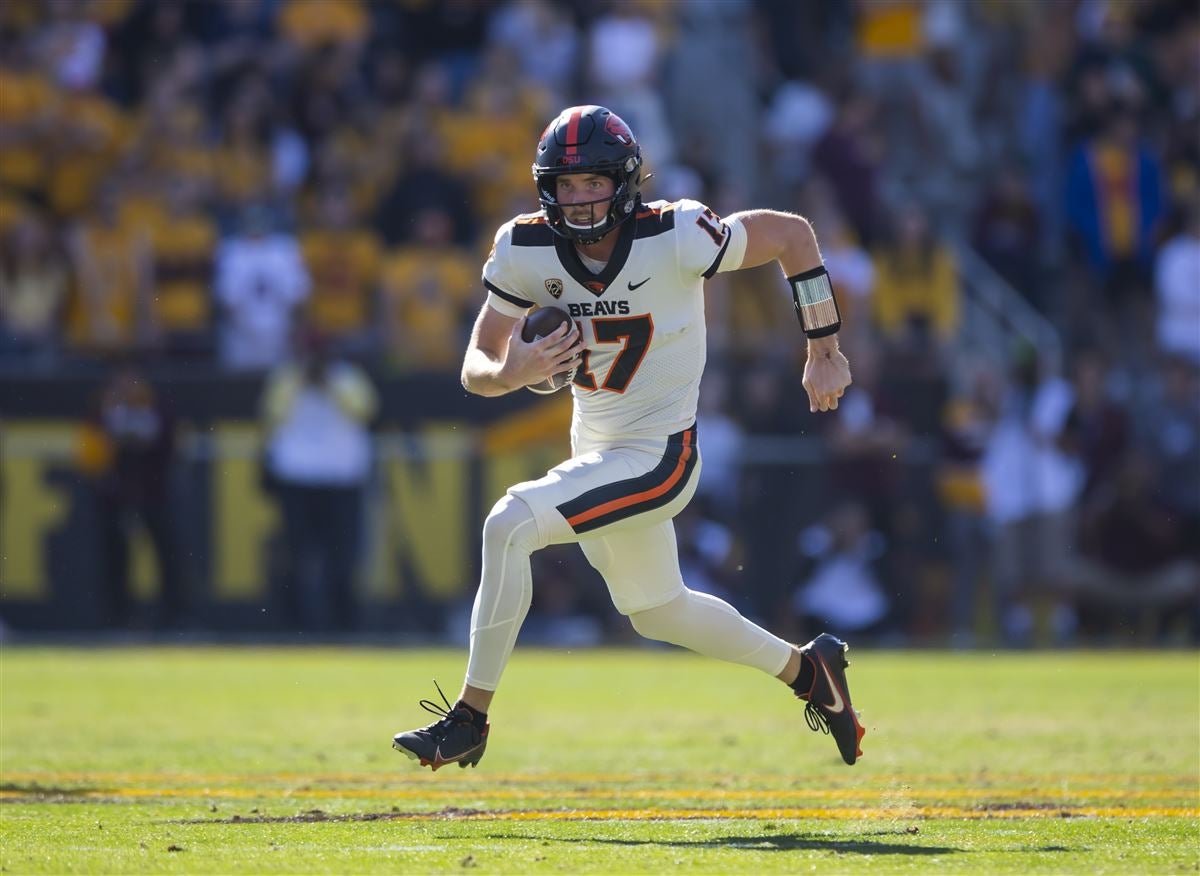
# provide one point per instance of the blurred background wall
(240, 243)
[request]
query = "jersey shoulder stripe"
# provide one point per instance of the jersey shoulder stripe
(716, 265)
(530, 229)
(507, 296)
(653, 220)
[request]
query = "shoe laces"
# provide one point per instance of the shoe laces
(815, 718)
(450, 716)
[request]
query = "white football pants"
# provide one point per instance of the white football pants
(640, 565)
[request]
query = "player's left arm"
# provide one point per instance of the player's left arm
(789, 240)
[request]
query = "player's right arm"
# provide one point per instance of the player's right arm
(499, 361)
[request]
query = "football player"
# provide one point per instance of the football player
(631, 275)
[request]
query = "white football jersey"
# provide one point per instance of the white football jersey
(642, 316)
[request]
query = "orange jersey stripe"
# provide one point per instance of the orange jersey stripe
(645, 495)
(653, 211)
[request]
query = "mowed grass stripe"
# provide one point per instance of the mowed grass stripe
(1030, 809)
(1169, 780)
(836, 814)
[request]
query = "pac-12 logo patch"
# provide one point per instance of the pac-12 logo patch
(554, 286)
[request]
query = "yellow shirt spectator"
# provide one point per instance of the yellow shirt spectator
(344, 266)
(917, 286)
(426, 296)
(92, 133)
(183, 243)
(488, 144)
(112, 270)
(27, 100)
(311, 23)
(890, 29)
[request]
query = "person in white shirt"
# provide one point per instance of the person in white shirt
(260, 281)
(318, 459)
(1177, 288)
(631, 277)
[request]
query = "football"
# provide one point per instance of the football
(538, 324)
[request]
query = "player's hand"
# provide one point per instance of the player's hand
(826, 374)
(533, 362)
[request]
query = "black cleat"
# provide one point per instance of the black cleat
(454, 738)
(829, 709)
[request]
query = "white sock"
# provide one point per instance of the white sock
(510, 535)
(713, 627)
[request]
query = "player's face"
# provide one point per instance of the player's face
(584, 198)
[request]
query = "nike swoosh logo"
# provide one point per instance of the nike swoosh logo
(838, 705)
(439, 761)
(633, 285)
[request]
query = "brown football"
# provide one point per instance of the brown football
(539, 324)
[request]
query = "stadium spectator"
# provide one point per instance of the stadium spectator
(916, 282)
(849, 156)
(1114, 203)
(90, 135)
(343, 261)
(1007, 232)
(426, 288)
(260, 282)
(249, 164)
(72, 45)
(1135, 567)
(1167, 431)
(967, 420)
(183, 241)
(127, 453)
(26, 119)
(545, 39)
(1097, 429)
(424, 185)
(1032, 487)
(315, 414)
(1177, 289)
(113, 268)
(948, 150)
(799, 115)
(311, 25)
(487, 141)
(842, 590)
(33, 291)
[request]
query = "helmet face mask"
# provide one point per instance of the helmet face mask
(588, 140)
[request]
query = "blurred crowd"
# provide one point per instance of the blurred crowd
(197, 185)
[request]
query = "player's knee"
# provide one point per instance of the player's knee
(510, 524)
(659, 623)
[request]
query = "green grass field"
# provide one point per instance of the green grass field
(255, 760)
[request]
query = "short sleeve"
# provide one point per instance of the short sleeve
(498, 277)
(703, 240)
